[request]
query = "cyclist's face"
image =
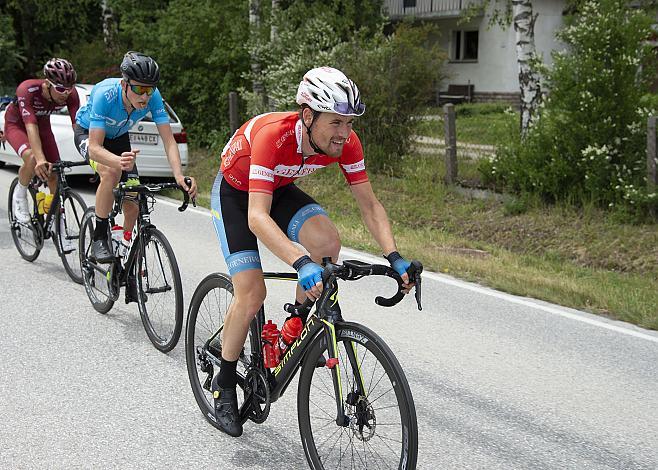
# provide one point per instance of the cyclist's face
(330, 132)
(59, 97)
(138, 101)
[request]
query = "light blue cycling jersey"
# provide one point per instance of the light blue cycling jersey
(105, 110)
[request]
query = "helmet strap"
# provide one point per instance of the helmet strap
(314, 146)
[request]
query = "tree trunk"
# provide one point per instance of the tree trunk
(254, 27)
(529, 80)
(109, 27)
(274, 33)
(274, 37)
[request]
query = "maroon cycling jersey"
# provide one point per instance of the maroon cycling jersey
(266, 154)
(32, 108)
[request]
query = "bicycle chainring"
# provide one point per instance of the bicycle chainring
(256, 396)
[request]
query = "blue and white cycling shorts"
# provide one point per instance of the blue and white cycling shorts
(291, 207)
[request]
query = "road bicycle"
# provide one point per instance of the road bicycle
(61, 223)
(147, 267)
(355, 407)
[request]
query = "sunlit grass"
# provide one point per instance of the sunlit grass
(583, 258)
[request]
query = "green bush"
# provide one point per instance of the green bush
(395, 74)
(198, 45)
(589, 143)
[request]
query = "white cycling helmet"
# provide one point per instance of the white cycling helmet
(328, 90)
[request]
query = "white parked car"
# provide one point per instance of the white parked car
(151, 160)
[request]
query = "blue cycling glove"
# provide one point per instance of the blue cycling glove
(308, 272)
(398, 262)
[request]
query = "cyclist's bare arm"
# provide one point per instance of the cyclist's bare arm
(173, 156)
(267, 231)
(375, 217)
(42, 167)
(100, 154)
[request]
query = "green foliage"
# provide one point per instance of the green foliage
(198, 45)
(43, 28)
(395, 74)
(11, 56)
(92, 61)
(589, 144)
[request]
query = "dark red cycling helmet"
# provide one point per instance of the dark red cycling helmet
(60, 72)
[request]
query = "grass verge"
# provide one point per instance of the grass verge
(583, 259)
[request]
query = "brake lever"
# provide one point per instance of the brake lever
(186, 196)
(414, 271)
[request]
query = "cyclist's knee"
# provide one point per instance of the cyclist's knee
(249, 295)
(326, 243)
(109, 174)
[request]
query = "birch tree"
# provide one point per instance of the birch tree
(254, 29)
(526, 56)
(519, 14)
(109, 27)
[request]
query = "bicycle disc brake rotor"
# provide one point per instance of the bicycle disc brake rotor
(363, 421)
(256, 396)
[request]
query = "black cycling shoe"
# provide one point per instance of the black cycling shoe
(226, 411)
(100, 251)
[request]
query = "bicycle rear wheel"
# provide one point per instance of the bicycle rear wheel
(159, 291)
(71, 214)
(205, 320)
(99, 288)
(382, 431)
(27, 236)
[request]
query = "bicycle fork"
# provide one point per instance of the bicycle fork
(333, 363)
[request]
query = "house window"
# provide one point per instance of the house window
(409, 3)
(464, 45)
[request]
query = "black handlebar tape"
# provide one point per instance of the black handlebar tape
(384, 302)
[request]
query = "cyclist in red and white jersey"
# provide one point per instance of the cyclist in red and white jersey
(254, 198)
(27, 126)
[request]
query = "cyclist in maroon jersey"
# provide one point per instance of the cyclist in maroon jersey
(27, 126)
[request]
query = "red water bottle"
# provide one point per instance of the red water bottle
(290, 331)
(270, 337)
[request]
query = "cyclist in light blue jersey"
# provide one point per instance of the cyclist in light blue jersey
(101, 136)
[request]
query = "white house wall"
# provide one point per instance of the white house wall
(496, 69)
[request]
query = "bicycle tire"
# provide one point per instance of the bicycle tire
(163, 330)
(91, 277)
(73, 220)
(212, 298)
(369, 418)
(30, 233)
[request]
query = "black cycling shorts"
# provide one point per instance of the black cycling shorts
(291, 207)
(117, 146)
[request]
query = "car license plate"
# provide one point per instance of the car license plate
(149, 139)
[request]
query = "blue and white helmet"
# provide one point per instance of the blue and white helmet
(328, 90)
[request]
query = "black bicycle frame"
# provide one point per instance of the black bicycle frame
(280, 377)
(58, 198)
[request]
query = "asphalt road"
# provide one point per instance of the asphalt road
(499, 381)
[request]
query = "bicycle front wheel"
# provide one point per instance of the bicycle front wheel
(159, 291)
(67, 230)
(99, 287)
(381, 429)
(27, 236)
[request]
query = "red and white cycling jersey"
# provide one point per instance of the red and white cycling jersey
(266, 153)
